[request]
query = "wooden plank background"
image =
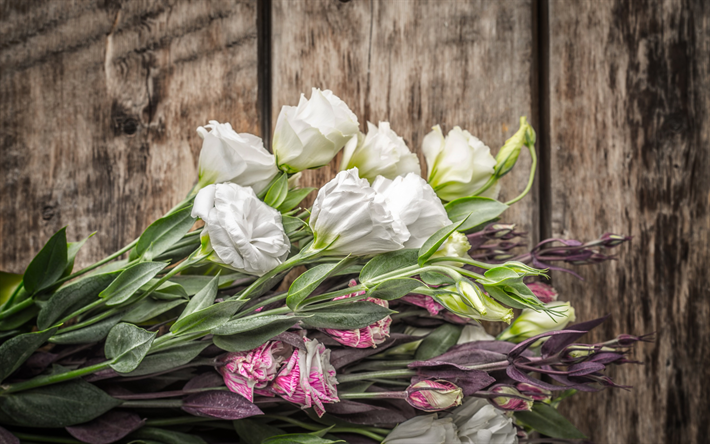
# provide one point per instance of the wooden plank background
(100, 101)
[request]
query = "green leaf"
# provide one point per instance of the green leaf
(507, 286)
(348, 316)
(253, 338)
(92, 333)
(293, 224)
(167, 360)
(203, 299)
(277, 192)
(15, 351)
(206, 318)
(388, 262)
(193, 284)
(474, 211)
(299, 438)
(306, 283)
(127, 345)
(148, 309)
(48, 265)
(394, 288)
(294, 198)
(72, 297)
(436, 240)
(166, 436)
(164, 232)
(20, 318)
(8, 284)
(550, 422)
(72, 250)
(58, 405)
(249, 324)
(166, 291)
(254, 432)
(435, 278)
(438, 342)
(129, 281)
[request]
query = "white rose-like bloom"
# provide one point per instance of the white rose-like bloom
(478, 422)
(245, 233)
(416, 204)
(311, 134)
(459, 164)
(354, 218)
(230, 157)
(381, 153)
(424, 430)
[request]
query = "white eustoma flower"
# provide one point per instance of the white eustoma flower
(311, 134)
(349, 217)
(416, 204)
(230, 157)
(245, 233)
(459, 164)
(381, 153)
(478, 422)
(424, 430)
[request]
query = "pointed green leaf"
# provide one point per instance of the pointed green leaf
(436, 240)
(92, 333)
(20, 318)
(253, 338)
(394, 288)
(72, 297)
(388, 262)
(148, 309)
(254, 432)
(206, 318)
(277, 192)
(293, 224)
(72, 250)
(203, 299)
(8, 284)
(474, 210)
(129, 281)
(249, 324)
(15, 351)
(306, 283)
(48, 265)
(164, 436)
(294, 198)
(438, 342)
(348, 316)
(550, 422)
(165, 232)
(127, 345)
(166, 291)
(164, 361)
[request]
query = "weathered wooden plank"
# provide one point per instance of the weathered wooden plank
(415, 64)
(100, 104)
(630, 153)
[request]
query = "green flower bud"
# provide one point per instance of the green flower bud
(508, 155)
(466, 299)
(532, 323)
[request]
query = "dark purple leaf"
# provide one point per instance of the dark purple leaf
(470, 381)
(323, 338)
(290, 338)
(462, 357)
(606, 357)
(107, 428)
(205, 380)
(523, 377)
(520, 348)
(7, 437)
(578, 384)
(362, 413)
(399, 406)
(36, 364)
(220, 404)
(101, 374)
(557, 343)
(341, 357)
(585, 368)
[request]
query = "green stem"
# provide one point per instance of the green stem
(41, 438)
(373, 395)
(382, 365)
(265, 302)
(91, 321)
(16, 308)
(463, 260)
(84, 309)
(317, 427)
(488, 184)
(41, 381)
(176, 421)
(533, 165)
(335, 294)
(404, 373)
(295, 261)
(153, 404)
(99, 263)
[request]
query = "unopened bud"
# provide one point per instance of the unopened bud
(508, 154)
(545, 293)
(433, 396)
(457, 245)
(532, 323)
(535, 392)
(517, 402)
(612, 240)
(498, 231)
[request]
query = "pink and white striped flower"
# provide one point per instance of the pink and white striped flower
(308, 378)
(251, 371)
(370, 336)
(433, 396)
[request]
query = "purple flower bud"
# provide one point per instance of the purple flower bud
(515, 402)
(250, 371)
(535, 392)
(433, 396)
(612, 240)
(625, 340)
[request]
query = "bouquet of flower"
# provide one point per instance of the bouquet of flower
(243, 316)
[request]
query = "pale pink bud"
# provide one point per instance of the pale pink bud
(544, 292)
(250, 371)
(433, 396)
(535, 392)
(370, 336)
(308, 379)
(516, 402)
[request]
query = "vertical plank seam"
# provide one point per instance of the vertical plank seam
(263, 23)
(543, 133)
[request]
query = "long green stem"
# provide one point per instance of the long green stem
(83, 309)
(403, 373)
(464, 260)
(373, 395)
(17, 308)
(176, 421)
(53, 379)
(533, 165)
(27, 437)
(152, 404)
(103, 261)
(365, 431)
(91, 321)
(295, 261)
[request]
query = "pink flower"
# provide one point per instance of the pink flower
(423, 301)
(432, 396)
(307, 378)
(250, 371)
(366, 337)
(544, 292)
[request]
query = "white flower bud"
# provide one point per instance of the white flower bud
(381, 153)
(459, 164)
(532, 323)
(230, 157)
(311, 134)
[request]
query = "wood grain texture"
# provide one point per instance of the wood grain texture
(100, 104)
(415, 64)
(630, 153)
